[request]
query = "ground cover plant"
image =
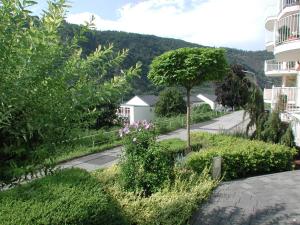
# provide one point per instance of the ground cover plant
(240, 157)
(67, 197)
(173, 204)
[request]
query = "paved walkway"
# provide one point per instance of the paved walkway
(270, 199)
(228, 123)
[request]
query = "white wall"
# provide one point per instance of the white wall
(207, 101)
(143, 113)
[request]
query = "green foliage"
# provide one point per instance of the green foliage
(66, 197)
(173, 204)
(272, 129)
(51, 91)
(177, 147)
(188, 67)
(288, 138)
(145, 48)
(170, 103)
(254, 106)
(145, 167)
(205, 108)
(240, 157)
(233, 90)
(164, 125)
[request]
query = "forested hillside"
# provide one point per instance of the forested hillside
(144, 48)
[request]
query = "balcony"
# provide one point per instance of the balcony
(289, 3)
(287, 44)
(270, 23)
(275, 68)
(287, 97)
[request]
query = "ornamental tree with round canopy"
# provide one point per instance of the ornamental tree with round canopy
(188, 67)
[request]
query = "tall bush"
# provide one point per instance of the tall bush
(48, 90)
(145, 165)
(170, 103)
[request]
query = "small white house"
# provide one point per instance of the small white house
(138, 108)
(211, 100)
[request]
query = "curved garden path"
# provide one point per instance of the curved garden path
(228, 123)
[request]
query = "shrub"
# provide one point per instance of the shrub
(171, 205)
(272, 129)
(170, 103)
(288, 138)
(205, 108)
(145, 165)
(241, 157)
(67, 197)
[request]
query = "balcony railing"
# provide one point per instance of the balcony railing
(272, 66)
(286, 97)
(288, 3)
(288, 29)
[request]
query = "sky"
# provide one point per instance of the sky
(219, 23)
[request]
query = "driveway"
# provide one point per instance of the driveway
(227, 123)
(270, 199)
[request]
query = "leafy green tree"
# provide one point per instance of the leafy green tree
(48, 90)
(170, 103)
(232, 91)
(288, 137)
(188, 67)
(254, 106)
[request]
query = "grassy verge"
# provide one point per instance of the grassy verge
(80, 151)
(165, 125)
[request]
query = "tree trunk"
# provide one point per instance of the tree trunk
(188, 116)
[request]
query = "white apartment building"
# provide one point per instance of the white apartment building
(283, 39)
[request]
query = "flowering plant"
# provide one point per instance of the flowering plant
(144, 166)
(136, 127)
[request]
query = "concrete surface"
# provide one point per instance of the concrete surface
(269, 199)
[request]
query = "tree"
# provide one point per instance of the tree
(188, 67)
(232, 91)
(254, 106)
(170, 103)
(49, 91)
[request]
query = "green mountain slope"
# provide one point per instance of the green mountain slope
(144, 48)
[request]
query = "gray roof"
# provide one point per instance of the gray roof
(149, 99)
(193, 99)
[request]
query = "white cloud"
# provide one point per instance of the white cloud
(229, 23)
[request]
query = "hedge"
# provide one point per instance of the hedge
(240, 157)
(67, 197)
